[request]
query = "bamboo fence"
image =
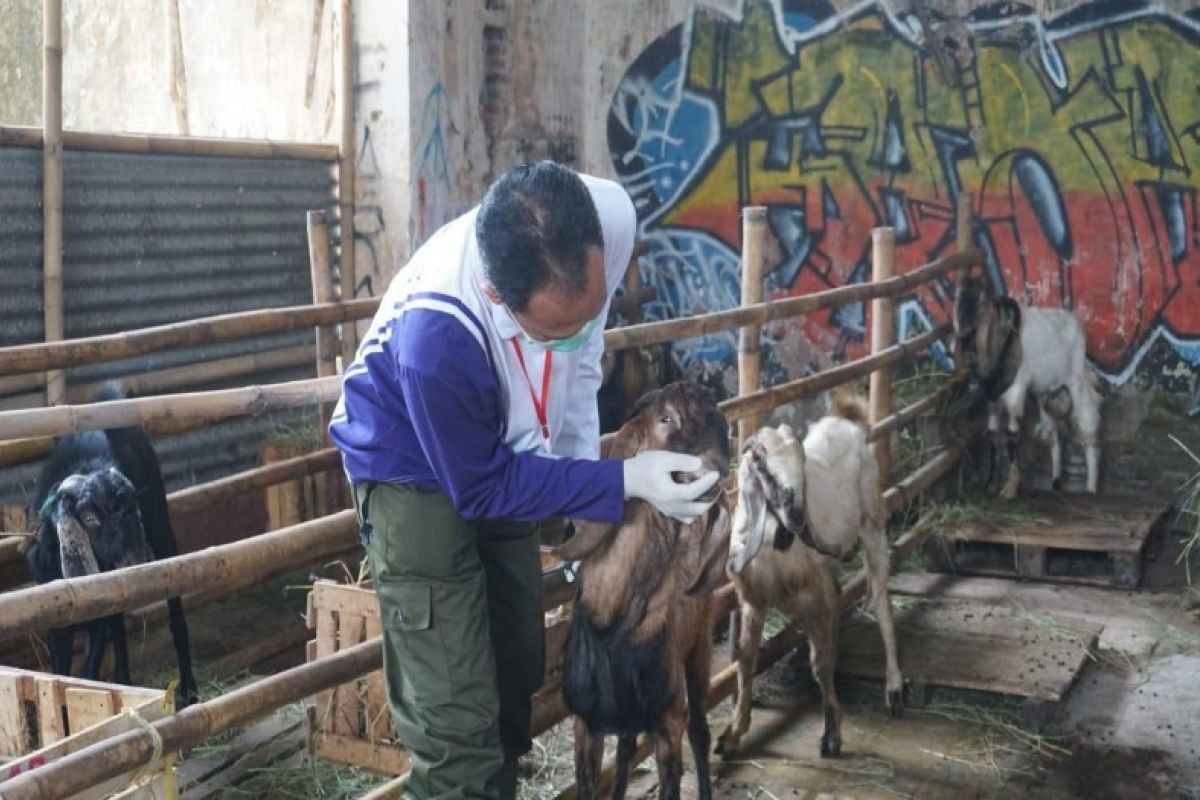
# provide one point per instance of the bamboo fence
(52, 189)
(244, 563)
(159, 144)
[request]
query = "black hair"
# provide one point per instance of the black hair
(534, 228)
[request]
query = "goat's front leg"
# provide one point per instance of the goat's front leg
(878, 568)
(62, 646)
(995, 438)
(1014, 405)
(747, 664)
(93, 648)
(668, 750)
(116, 630)
(588, 751)
(822, 648)
(697, 671)
(187, 692)
(626, 746)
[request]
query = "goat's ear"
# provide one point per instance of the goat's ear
(752, 515)
(587, 539)
(705, 570)
(75, 548)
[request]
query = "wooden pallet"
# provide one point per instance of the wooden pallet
(1070, 538)
(46, 717)
(977, 646)
(351, 723)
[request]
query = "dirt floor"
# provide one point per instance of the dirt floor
(1126, 730)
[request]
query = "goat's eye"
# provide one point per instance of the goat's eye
(89, 519)
(665, 419)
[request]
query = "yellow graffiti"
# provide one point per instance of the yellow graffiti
(1024, 100)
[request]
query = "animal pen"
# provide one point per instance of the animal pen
(347, 719)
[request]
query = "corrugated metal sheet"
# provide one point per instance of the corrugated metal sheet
(154, 239)
(20, 246)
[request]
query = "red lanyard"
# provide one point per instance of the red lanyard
(539, 406)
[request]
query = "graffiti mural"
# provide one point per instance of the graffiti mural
(1075, 138)
(434, 204)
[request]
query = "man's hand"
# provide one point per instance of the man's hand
(649, 476)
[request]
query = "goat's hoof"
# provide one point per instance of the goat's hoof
(1056, 485)
(895, 703)
(727, 744)
(831, 746)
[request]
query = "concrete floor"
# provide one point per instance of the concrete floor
(1128, 729)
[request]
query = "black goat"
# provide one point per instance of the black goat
(629, 375)
(101, 505)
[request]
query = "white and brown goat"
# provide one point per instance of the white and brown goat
(638, 654)
(802, 506)
(1012, 351)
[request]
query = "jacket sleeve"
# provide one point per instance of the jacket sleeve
(456, 414)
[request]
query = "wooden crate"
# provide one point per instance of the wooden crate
(351, 723)
(1069, 538)
(46, 717)
(304, 498)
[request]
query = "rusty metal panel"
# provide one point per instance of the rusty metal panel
(20, 246)
(155, 239)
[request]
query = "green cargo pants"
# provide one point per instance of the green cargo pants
(461, 603)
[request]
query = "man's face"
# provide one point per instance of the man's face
(552, 314)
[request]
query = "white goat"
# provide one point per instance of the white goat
(1014, 350)
(825, 492)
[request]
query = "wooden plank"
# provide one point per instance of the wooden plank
(201, 769)
(346, 714)
(975, 646)
(87, 707)
(260, 746)
(51, 727)
(1064, 537)
(382, 758)
(14, 735)
(326, 646)
(359, 600)
(377, 714)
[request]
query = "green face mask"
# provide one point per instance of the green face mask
(573, 342)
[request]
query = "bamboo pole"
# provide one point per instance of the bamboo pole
(346, 176)
(883, 336)
(52, 189)
(165, 380)
(203, 330)
(754, 234)
(230, 566)
(907, 414)
(119, 754)
(206, 494)
(921, 479)
(176, 408)
(630, 304)
(322, 289)
(766, 399)
(158, 144)
(704, 324)
(963, 235)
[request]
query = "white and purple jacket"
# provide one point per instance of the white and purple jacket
(437, 398)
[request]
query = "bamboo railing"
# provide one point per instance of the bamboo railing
(159, 144)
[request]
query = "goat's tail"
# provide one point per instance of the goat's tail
(850, 407)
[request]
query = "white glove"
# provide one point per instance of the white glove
(648, 477)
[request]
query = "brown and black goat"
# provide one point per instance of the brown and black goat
(638, 654)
